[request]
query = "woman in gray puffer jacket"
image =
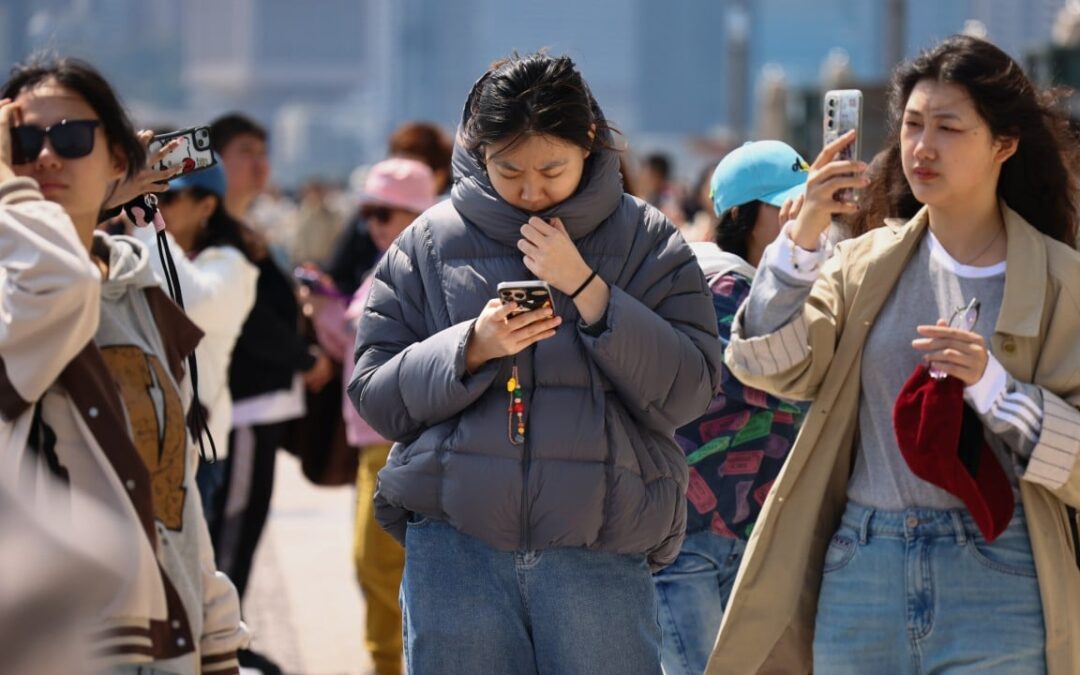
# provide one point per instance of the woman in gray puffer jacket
(529, 549)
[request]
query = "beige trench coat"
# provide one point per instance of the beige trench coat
(769, 623)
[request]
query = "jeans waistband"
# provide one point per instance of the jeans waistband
(915, 522)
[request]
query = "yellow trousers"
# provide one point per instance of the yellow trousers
(380, 561)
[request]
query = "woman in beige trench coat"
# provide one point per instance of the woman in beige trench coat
(848, 532)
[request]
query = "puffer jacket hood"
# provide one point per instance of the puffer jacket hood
(599, 468)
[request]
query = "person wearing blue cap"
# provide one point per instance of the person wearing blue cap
(737, 448)
(214, 264)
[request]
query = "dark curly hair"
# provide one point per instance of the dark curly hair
(1038, 180)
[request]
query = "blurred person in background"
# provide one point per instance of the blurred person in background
(355, 253)
(95, 395)
(316, 227)
(271, 366)
(395, 193)
(241, 145)
(213, 255)
(737, 448)
(701, 225)
(425, 142)
(535, 480)
(659, 189)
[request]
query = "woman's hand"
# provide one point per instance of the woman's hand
(791, 208)
(148, 179)
(10, 116)
(827, 175)
(551, 255)
(320, 374)
(953, 351)
(497, 334)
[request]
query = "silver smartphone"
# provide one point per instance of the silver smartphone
(842, 113)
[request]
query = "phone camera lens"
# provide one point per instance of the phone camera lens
(832, 102)
(831, 124)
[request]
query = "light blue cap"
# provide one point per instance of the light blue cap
(211, 178)
(767, 171)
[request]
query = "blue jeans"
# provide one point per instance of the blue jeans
(693, 592)
(921, 591)
(468, 608)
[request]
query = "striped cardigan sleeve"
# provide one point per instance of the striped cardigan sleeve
(783, 337)
(1038, 426)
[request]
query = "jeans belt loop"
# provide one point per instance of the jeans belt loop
(958, 528)
(864, 526)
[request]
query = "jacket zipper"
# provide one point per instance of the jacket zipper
(526, 538)
(1075, 529)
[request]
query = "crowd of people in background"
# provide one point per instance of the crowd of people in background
(747, 406)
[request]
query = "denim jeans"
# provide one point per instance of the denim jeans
(469, 608)
(921, 591)
(693, 592)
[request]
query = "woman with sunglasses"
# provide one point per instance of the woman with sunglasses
(396, 192)
(94, 392)
(535, 482)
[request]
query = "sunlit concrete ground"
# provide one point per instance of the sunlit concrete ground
(303, 603)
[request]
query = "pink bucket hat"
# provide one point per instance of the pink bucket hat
(400, 183)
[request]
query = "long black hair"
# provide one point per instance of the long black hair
(83, 79)
(222, 229)
(735, 227)
(1037, 181)
(530, 95)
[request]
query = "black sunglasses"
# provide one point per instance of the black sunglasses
(379, 213)
(71, 139)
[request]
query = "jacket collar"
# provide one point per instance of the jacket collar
(1025, 268)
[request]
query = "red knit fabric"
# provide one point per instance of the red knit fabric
(944, 444)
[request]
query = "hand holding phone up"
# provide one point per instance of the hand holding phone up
(828, 175)
(149, 179)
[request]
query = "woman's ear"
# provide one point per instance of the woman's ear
(1006, 148)
(592, 139)
(118, 164)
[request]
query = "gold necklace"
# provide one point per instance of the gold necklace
(983, 252)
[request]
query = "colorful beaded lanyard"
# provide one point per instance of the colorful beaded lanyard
(516, 408)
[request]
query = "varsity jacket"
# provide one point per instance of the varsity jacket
(93, 396)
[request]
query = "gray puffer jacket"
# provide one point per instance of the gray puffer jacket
(599, 468)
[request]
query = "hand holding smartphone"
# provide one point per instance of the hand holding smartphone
(193, 153)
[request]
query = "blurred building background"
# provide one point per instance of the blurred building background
(331, 78)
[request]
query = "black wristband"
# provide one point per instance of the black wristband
(582, 287)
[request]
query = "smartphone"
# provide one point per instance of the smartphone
(193, 153)
(313, 281)
(843, 113)
(529, 295)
